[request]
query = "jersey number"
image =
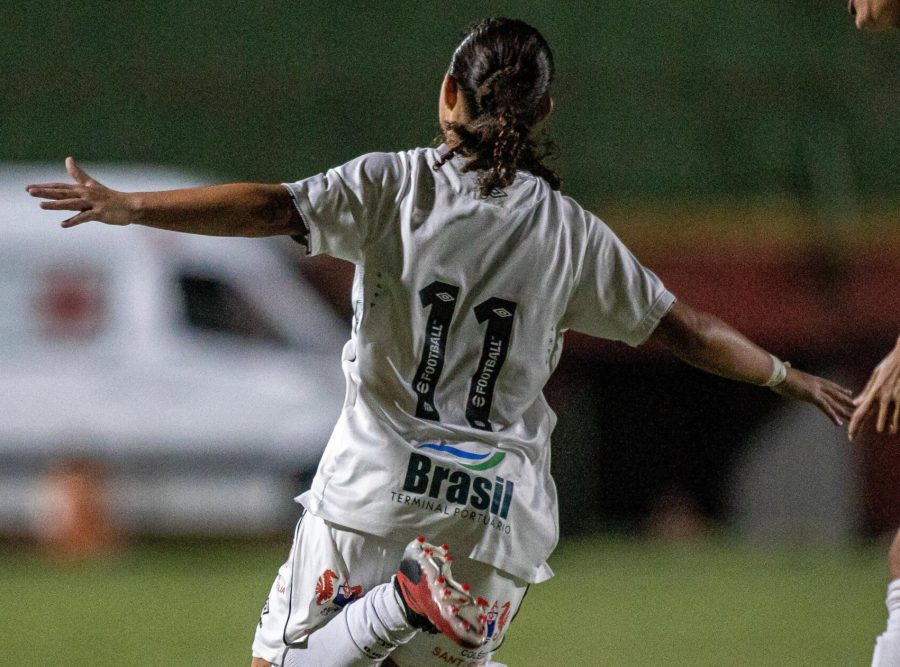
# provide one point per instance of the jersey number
(441, 298)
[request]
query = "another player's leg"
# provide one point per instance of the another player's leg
(887, 645)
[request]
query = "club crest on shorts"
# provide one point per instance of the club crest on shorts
(498, 617)
(325, 590)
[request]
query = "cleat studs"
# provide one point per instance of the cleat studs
(427, 551)
(454, 610)
(482, 618)
(448, 558)
(441, 579)
(481, 602)
(420, 539)
(446, 592)
(445, 547)
(466, 587)
(466, 625)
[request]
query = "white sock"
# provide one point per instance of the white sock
(363, 634)
(887, 646)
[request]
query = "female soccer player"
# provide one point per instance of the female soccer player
(470, 266)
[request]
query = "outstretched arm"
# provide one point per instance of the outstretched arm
(882, 392)
(237, 209)
(711, 345)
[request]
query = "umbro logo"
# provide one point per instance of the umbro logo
(497, 193)
(502, 312)
(443, 296)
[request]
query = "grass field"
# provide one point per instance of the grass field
(613, 602)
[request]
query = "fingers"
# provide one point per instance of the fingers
(54, 193)
(869, 389)
(51, 190)
(843, 406)
(855, 423)
(895, 422)
(84, 216)
(883, 406)
(77, 172)
(863, 406)
(66, 205)
(839, 409)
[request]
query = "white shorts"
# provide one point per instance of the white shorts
(329, 567)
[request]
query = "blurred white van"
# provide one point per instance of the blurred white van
(203, 374)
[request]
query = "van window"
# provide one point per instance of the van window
(213, 306)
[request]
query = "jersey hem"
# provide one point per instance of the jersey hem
(527, 572)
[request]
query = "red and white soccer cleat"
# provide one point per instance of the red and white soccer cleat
(434, 601)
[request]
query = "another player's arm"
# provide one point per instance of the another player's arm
(237, 209)
(708, 343)
(882, 393)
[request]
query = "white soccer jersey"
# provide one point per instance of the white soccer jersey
(460, 307)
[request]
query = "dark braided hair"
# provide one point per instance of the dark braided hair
(503, 68)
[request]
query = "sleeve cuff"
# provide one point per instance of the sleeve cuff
(651, 319)
(309, 237)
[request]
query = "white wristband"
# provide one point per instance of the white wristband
(779, 372)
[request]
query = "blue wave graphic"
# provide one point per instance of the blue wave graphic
(449, 449)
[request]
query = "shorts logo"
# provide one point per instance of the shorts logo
(469, 460)
(497, 619)
(502, 312)
(345, 592)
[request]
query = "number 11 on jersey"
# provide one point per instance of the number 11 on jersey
(441, 298)
(498, 313)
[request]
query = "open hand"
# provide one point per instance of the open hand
(93, 200)
(831, 398)
(883, 392)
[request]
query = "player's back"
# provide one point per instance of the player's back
(462, 297)
(461, 302)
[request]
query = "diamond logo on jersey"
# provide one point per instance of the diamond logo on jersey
(502, 312)
(465, 458)
(345, 592)
(443, 296)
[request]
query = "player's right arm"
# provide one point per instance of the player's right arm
(706, 342)
(237, 209)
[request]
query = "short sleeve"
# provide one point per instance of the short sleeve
(615, 297)
(342, 207)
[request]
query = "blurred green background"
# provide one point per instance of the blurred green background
(663, 104)
(659, 100)
(614, 603)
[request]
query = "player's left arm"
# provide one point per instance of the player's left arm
(706, 342)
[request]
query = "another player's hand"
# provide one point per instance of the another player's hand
(831, 398)
(93, 200)
(883, 391)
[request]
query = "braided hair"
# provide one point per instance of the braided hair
(503, 68)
